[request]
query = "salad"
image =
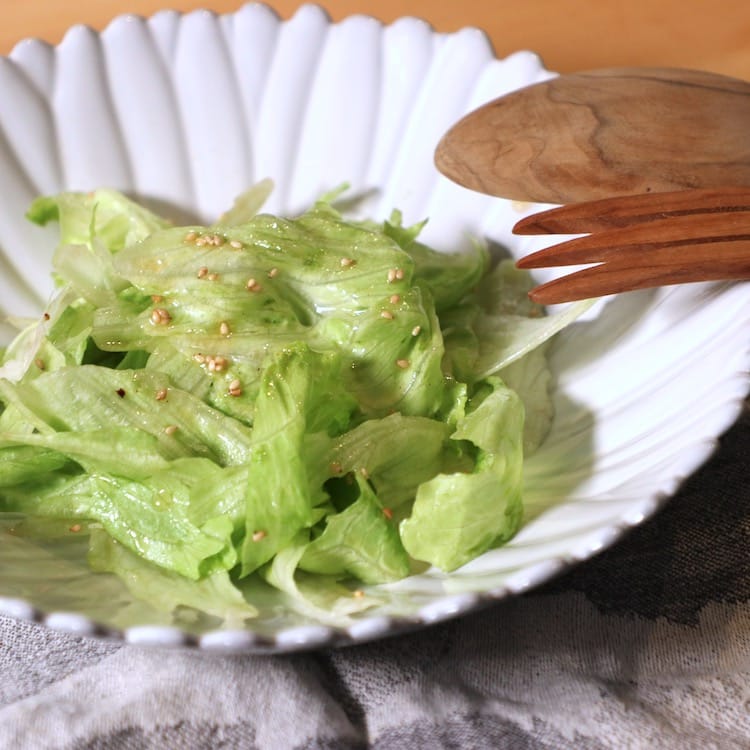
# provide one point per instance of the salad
(314, 404)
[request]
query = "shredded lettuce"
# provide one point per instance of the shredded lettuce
(311, 403)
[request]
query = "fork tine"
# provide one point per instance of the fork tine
(643, 239)
(607, 213)
(607, 278)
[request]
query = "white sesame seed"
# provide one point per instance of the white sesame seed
(212, 276)
(391, 275)
(236, 244)
(202, 272)
(347, 262)
(75, 528)
(273, 273)
(399, 273)
(200, 358)
(191, 236)
(253, 286)
(416, 330)
(258, 536)
(161, 394)
(358, 594)
(40, 364)
(364, 473)
(394, 299)
(224, 328)
(157, 298)
(387, 314)
(402, 363)
(201, 241)
(159, 316)
(170, 429)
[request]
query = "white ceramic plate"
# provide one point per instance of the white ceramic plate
(186, 111)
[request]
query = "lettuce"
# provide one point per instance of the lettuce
(309, 403)
(458, 516)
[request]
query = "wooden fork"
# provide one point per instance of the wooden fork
(640, 241)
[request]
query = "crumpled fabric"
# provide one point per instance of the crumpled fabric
(645, 646)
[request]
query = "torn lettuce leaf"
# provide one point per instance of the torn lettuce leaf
(151, 517)
(359, 542)
(505, 325)
(318, 597)
(458, 516)
(300, 393)
(104, 215)
(215, 594)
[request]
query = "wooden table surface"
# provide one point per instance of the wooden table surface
(568, 34)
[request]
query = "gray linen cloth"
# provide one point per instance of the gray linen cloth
(646, 646)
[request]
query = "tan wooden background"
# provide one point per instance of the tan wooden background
(568, 34)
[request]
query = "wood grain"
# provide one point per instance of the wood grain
(609, 132)
(700, 235)
(609, 213)
(641, 242)
(569, 34)
(613, 278)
